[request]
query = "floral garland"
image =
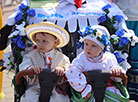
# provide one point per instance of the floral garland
(93, 33)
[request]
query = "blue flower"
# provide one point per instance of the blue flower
(119, 18)
(31, 12)
(106, 40)
(19, 16)
(119, 60)
(18, 41)
(102, 19)
(80, 45)
(106, 7)
(22, 7)
(120, 32)
(81, 33)
(116, 54)
(123, 41)
(88, 30)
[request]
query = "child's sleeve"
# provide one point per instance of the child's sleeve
(26, 63)
(77, 79)
(114, 64)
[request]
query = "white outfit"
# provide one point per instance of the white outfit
(130, 8)
(35, 58)
(82, 63)
(67, 11)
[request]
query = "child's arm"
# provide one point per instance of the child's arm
(77, 79)
(33, 71)
(117, 72)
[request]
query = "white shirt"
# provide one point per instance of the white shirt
(82, 63)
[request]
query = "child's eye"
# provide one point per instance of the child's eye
(37, 40)
(86, 43)
(44, 41)
(93, 46)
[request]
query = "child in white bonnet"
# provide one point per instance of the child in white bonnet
(94, 56)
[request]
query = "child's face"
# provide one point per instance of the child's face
(91, 48)
(45, 42)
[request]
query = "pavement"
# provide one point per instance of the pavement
(7, 87)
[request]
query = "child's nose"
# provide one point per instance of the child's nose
(89, 48)
(40, 44)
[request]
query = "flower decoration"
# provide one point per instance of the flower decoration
(19, 17)
(18, 37)
(122, 59)
(22, 7)
(8, 61)
(94, 33)
(120, 38)
(19, 41)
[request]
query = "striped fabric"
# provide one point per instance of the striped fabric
(133, 59)
(109, 96)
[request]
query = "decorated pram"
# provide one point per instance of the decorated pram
(71, 15)
(97, 78)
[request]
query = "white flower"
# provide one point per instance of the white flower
(134, 40)
(81, 39)
(132, 37)
(21, 29)
(7, 57)
(124, 64)
(15, 33)
(114, 36)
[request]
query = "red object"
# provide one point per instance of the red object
(49, 58)
(78, 3)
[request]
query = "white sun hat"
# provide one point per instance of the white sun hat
(49, 28)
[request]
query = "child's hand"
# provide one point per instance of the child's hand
(59, 71)
(36, 69)
(88, 96)
(117, 71)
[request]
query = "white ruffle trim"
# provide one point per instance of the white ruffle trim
(67, 13)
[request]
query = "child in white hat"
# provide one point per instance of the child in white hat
(94, 56)
(47, 37)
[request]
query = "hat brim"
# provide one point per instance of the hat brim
(49, 28)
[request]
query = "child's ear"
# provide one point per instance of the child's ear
(56, 42)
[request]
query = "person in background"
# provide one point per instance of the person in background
(130, 8)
